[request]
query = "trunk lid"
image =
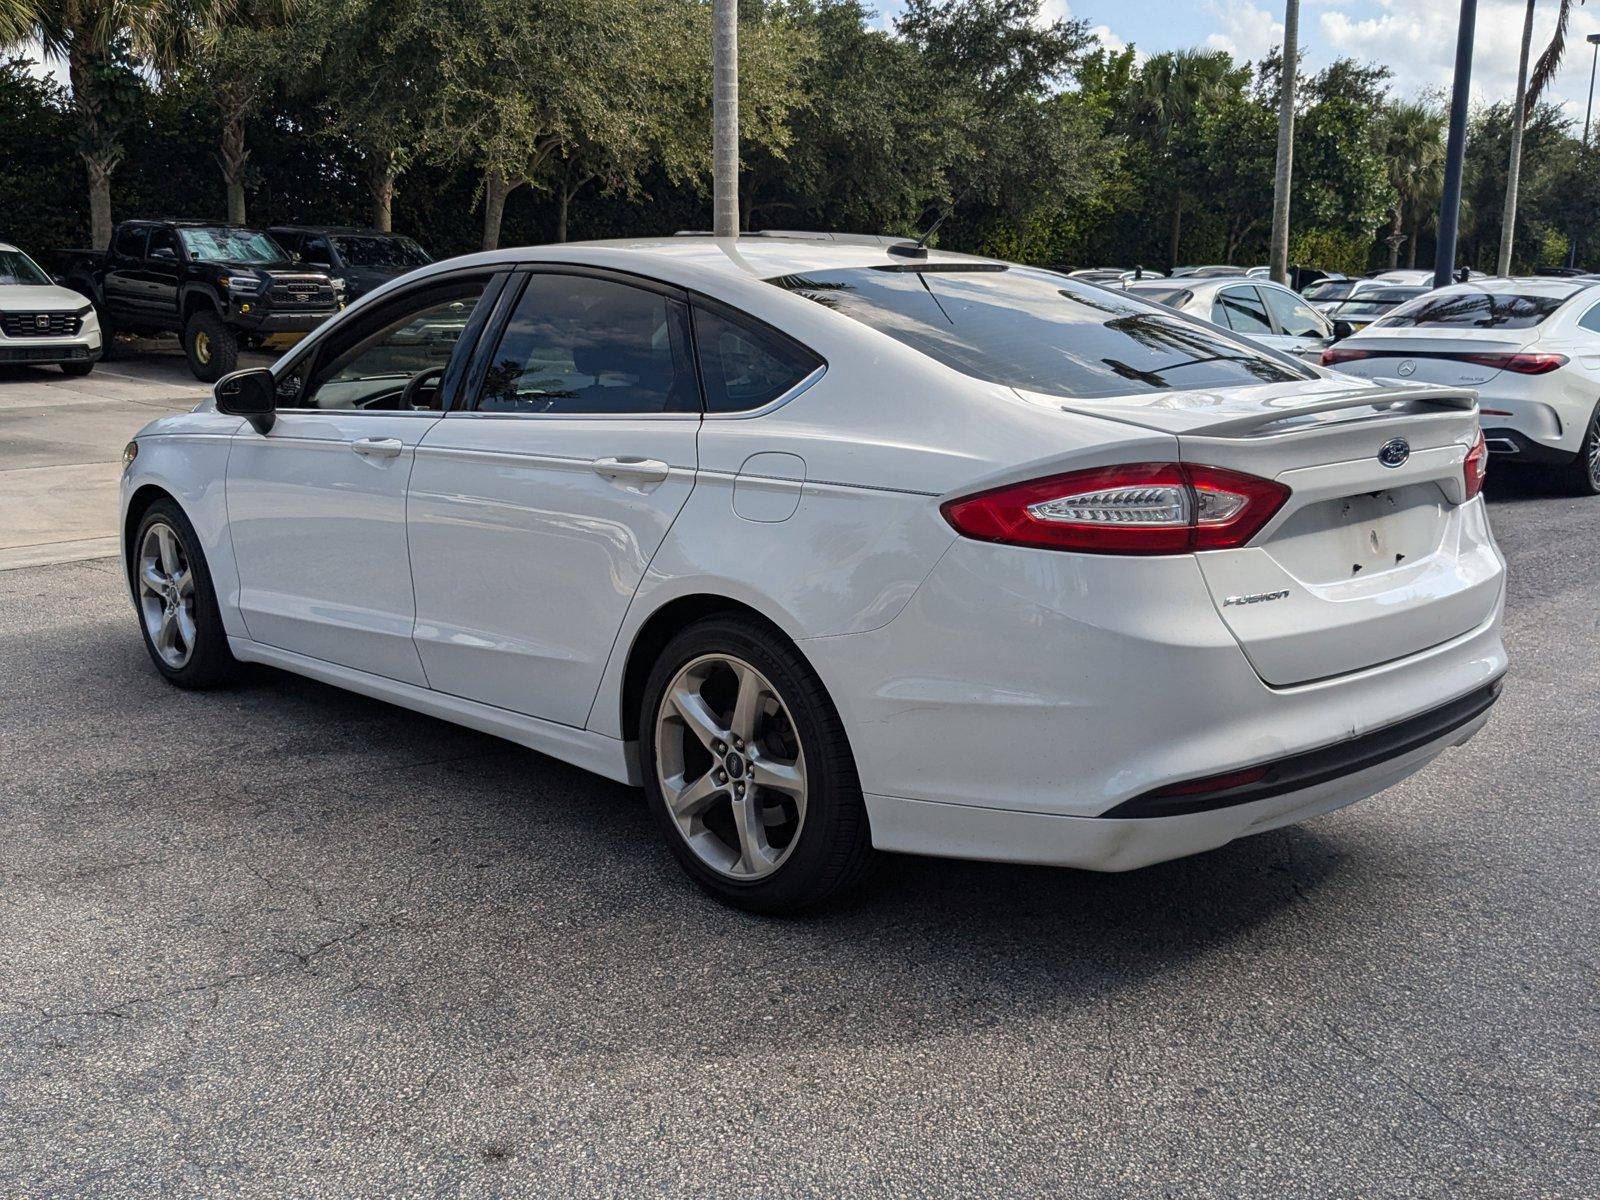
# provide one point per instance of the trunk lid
(1366, 562)
(1427, 356)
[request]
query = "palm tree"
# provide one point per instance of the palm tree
(1528, 94)
(1170, 88)
(95, 37)
(1412, 137)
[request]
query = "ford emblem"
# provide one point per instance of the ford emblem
(1394, 452)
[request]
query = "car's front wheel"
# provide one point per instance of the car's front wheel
(748, 769)
(77, 369)
(212, 348)
(178, 612)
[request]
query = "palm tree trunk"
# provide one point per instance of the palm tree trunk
(232, 155)
(1411, 249)
(1508, 217)
(98, 147)
(1394, 238)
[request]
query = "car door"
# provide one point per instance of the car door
(317, 507)
(536, 507)
(1301, 330)
(123, 287)
(161, 271)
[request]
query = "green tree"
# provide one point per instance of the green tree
(1412, 138)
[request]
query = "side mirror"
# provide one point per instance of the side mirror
(249, 394)
(1342, 329)
(164, 254)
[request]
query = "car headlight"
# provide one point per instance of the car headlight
(243, 284)
(129, 453)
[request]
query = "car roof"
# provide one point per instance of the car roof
(1524, 285)
(9, 246)
(766, 256)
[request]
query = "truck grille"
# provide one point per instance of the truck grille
(297, 294)
(40, 324)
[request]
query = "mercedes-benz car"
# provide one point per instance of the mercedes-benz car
(1529, 347)
(841, 546)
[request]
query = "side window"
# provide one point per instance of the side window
(1241, 310)
(1591, 320)
(164, 239)
(131, 241)
(289, 241)
(577, 344)
(314, 251)
(411, 339)
(744, 365)
(1294, 316)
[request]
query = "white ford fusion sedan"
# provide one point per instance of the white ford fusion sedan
(837, 545)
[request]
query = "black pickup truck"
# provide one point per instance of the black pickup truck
(217, 286)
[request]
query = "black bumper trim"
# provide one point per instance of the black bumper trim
(1527, 450)
(1301, 771)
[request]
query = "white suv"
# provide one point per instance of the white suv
(41, 322)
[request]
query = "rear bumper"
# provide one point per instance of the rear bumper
(1513, 445)
(1126, 843)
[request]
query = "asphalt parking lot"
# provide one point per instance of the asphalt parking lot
(283, 940)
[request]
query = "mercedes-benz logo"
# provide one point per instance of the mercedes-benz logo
(1405, 368)
(1394, 452)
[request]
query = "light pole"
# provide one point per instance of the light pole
(1285, 165)
(725, 119)
(1444, 255)
(1594, 40)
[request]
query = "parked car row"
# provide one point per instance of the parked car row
(219, 287)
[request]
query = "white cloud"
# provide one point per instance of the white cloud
(1416, 39)
(1247, 32)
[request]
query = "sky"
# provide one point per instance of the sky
(1415, 39)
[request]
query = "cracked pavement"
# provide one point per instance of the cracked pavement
(285, 941)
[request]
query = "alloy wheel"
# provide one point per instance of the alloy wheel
(202, 347)
(166, 594)
(1594, 450)
(730, 766)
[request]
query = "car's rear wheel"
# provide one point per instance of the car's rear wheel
(212, 348)
(177, 605)
(748, 769)
(1584, 473)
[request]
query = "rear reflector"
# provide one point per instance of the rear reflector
(1477, 466)
(1131, 508)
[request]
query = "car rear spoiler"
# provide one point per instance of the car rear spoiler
(1397, 400)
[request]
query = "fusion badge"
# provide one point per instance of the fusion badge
(1255, 598)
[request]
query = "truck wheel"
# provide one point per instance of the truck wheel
(212, 347)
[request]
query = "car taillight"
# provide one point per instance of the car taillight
(1522, 364)
(1339, 354)
(1477, 466)
(1131, 508)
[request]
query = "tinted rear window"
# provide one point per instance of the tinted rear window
(1479, 310)
(1329, 289)
(1033, 329)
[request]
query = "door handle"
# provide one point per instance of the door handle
(378, 447)
(634, 470)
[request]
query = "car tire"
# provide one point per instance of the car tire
(175, 600)
(212, 348)
(776, 822)
(77, 369)
(1583, 475)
